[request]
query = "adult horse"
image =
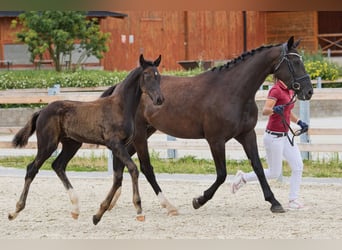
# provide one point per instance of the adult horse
(107, 121)
(218, 105)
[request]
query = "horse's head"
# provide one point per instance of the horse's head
(290, 69)
(150, 80)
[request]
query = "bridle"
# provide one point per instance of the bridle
(295, 83)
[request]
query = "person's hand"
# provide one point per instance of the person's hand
(279, 109)
(303, 126)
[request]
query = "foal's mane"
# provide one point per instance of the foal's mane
(242, 57)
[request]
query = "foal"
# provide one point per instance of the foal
(106, 121)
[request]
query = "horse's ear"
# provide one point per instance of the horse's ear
(157, 61)
(295, 45)
(290, 43)
(142, 60)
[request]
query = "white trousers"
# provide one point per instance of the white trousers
(277, 149)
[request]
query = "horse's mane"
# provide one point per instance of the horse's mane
(242, 57)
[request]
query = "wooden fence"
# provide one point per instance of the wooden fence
(89, 94)
(199, 144)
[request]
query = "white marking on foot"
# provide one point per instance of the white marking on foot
(74, 201)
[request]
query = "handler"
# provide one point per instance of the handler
(278, 107)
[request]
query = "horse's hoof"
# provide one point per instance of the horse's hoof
(195, 203)
(173, 212)
(74, 215)
(140, 217)
(277, 209)
(95, 220)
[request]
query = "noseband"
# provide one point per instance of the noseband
(295, 84)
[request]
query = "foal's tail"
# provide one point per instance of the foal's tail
(108, 91)
(21, 138)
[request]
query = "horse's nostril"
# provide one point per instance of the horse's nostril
(160, 101)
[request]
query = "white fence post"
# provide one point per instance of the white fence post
(304, 114)
(319, 82)
(171, 153)
(110, 163)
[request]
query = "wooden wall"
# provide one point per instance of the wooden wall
(7, 34)
(304, 25)
(180, 35)
(193, 35)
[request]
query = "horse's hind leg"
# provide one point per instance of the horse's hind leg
(250, 146)
(31, 172)
(69, 149)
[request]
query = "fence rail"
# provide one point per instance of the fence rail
(29, 96)
(194, 144)
(36, 96)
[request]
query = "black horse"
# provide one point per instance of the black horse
(218, 105)
(107, 121)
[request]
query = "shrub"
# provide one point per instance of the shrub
(45, 78)
(324, 69)
(319, 66)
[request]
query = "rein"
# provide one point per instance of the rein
(287, 125)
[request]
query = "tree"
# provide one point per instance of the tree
(56, 33)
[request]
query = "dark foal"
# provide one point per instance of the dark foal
(218, 105)
(106, 121)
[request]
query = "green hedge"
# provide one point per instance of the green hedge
(19, 79)
(16, 79)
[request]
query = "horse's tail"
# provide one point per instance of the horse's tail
(108, 91)
(21, 138)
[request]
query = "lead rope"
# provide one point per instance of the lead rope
(287, 125)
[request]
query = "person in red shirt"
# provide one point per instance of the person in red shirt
(278, 106)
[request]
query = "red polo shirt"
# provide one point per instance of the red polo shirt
(281, 95)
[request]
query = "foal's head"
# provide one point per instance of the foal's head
(290, 69)
(150, 80)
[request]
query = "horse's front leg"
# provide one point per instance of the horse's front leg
(217, 148)
(140, 144)
(120, 152)
(250, 146)
(114, 191)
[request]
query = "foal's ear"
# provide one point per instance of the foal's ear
(157, 61)
(142, 60)
(290, 43)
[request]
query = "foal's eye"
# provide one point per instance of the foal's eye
(147, 76)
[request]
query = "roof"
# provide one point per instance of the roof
(89, 13)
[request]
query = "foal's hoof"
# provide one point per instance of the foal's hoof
(95, 220)
(140, 217)
(195, 203)
(277, 209)
(74, 215)
(12, 216)
(173, 212)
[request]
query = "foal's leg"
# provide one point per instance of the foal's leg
(31, 172)
(120, 151)
(69, 149)
(118, 168)
(250, 146)
(217, 148)
(140, 143)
